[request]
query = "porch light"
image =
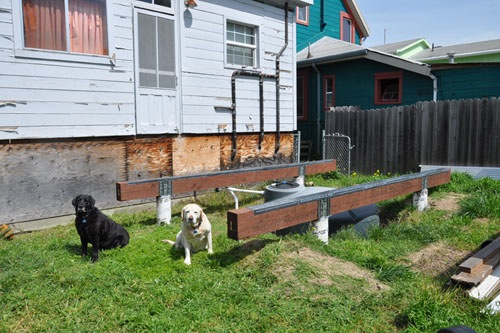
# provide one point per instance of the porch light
(190, 3)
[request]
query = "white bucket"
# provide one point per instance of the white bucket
(163, 210)
(320, 229)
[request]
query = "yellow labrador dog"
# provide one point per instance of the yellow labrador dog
(195, 234)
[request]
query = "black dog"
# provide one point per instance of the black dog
(96, 228)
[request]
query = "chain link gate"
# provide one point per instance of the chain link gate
(338, 147)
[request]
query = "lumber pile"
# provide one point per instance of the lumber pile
(481, 273)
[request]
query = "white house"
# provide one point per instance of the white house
(94, 91)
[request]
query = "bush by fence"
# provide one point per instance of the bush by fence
(399, 139)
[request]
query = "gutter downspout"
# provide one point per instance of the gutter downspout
(261, 110)
(322, 23)
(318, 114)
(434, 87)
(278, 55)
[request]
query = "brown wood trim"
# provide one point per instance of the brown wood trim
(184, 184)
(126, 191)
(250, 221)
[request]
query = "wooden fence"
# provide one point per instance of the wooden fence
(399, 139)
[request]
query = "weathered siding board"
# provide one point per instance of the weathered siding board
(399, 139)
(47, 99)
(75, 120)
(49, 175)
(206, 82)
(474, 81)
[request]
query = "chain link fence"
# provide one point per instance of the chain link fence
(338, 147)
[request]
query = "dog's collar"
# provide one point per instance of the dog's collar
(195, 228)
(84, 220)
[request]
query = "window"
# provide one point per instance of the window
(165, 3)
(388, 88)
(45, 26)
(156, 52)
(241, 44)
(302, 95)
(328, 92)
(346, 28)
(302, 15)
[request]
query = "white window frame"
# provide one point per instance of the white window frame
(21, 51)
(255, 48)
(157, 8)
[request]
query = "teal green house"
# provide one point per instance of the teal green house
(340, 19)
(334, 69)
(462, 71)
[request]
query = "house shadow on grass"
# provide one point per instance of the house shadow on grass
(240, 252)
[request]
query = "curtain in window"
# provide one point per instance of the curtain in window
(44, 26)
(88, 27)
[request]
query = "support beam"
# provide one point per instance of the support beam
(275, 215)
(152, 188)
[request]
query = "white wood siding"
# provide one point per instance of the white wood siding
(43, 98)
(206, 82)
(57, 98)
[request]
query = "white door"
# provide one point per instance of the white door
(155, 72)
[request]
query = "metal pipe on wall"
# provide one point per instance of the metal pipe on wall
(278, 56)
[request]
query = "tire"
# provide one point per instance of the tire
(457, 329)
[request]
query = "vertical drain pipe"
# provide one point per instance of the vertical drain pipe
(278, 55)
(261, 110)
(233, 115)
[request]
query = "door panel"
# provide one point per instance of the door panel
(156, 72)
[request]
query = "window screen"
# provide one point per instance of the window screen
(156, 52)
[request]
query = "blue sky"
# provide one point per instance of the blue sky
(442, 22)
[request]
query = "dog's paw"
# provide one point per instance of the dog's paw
(187, 262)
(168, 241)
(210, 251)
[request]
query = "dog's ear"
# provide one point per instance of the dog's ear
(74, 201)
(92, 202)
(183, 212)
(203, 217)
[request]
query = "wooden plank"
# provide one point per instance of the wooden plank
(473, 279)
(275, 215)
(489, 251)
(488, 287)
(185, 184)
(490, 254)
(471, 265)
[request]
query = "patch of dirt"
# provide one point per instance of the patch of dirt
(436, 259)
(450, 203)
(326, 268)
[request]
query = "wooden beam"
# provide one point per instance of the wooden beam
(475, 269)
(150, 188)
(275, 215)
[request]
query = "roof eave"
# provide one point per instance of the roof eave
(358, 17)
(412, 66)
(422, 40)
(333, 58)
(461, 55)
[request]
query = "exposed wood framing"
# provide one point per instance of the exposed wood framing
(184, 184)
(275, 215)
(50, 173)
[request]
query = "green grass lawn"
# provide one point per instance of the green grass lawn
(264, 284)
